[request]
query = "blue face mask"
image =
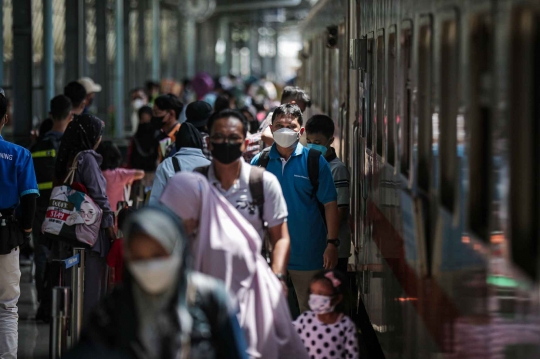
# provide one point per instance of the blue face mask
(319, 148)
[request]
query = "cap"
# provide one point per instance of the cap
(198, 113)
(89, 85)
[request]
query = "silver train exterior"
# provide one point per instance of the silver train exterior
(436, 106)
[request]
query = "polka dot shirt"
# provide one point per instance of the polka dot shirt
(327, 341)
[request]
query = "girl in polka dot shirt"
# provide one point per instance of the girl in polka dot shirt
(326, 333)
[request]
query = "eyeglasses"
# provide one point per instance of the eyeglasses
(232, 139)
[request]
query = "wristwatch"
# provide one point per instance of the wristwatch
(335, 242)
(281, 277)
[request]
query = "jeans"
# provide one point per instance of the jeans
(10, 290)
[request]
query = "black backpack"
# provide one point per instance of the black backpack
(44, 154)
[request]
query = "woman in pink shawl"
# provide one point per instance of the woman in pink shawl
(227, 247)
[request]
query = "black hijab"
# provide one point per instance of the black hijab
(188, 136)
(81, 134)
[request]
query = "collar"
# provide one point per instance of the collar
(242, 180)
(274, 154)
(330, 155)
(172, 132)
(184, 151)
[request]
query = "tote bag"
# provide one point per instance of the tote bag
(72, 216)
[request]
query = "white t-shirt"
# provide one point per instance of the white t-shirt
(340, 173)
(239, 195)
(330, 341)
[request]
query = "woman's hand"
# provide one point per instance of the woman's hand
(111, 234)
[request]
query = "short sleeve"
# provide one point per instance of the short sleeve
(125, 175)
(160, 180)
(327, 190)
(275, 207)
(255, 160)
(26, 176)
(341, 181)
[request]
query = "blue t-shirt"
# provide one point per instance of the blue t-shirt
(17, 176)
(305, 222)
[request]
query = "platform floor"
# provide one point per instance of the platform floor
(33, 336)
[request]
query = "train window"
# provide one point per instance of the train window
(479, 124)
(368, 104)
(405, 119)
(425, 133)
(524, 96)
(379, 105)
(391, 119)
(449, 76)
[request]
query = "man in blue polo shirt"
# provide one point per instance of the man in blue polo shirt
(18, 188)
(312, 246)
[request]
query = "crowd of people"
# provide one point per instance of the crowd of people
(240, 196)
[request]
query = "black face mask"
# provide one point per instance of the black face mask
(157, 122)
(225, 152)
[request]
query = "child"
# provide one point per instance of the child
(117, 178)
(327, 333)
(115, 259)
(320, 136)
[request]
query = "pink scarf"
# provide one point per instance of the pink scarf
(228, 248)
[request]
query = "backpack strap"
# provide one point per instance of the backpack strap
(313, 170)
(202, 170)
(176, 164)
(264, 158)
(256, 189)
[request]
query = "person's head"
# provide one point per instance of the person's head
(228, 132)
(198, 113)
(188, 137)
(287, 122)
(223, 102)
(88, 212)
(251, 115)
(145, 114)
(77, 94)
(112, 157)
(326, 291)
(82, 133)
(320, 133)
(123, 215)
(45, 126)
(295, 95)
(167, 109)
(91, 89)
(152, 89)
(61, 108)
(138, 98)
(155, 250)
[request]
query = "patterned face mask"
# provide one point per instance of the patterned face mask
(321, 304)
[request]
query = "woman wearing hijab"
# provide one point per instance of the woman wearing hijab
(163, 310)
(189, 155)
(227, 247)
(81, 138)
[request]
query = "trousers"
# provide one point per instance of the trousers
(10, 290)
(301, 280)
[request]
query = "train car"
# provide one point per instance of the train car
(436, 105)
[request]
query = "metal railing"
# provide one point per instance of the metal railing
(67, 305)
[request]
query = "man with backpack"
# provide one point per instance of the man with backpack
(255, 193)
(307, 184)
(44, 157)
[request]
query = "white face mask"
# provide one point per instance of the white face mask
(137, 104)
(321, 304)
(155, 276)
(286, 138)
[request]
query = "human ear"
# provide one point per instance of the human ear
(208, 143)
(302, 131)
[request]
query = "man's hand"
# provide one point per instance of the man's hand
(330, 256)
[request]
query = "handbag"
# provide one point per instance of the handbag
(72, 216)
